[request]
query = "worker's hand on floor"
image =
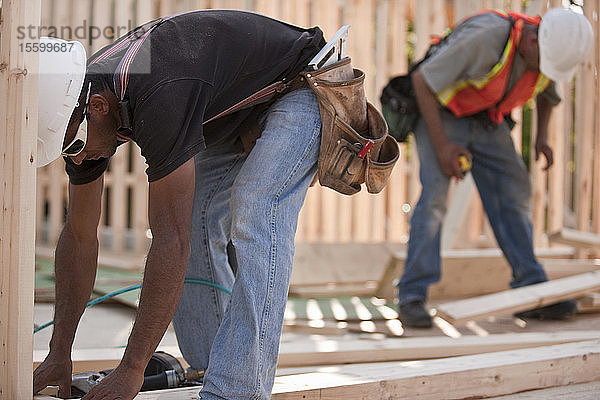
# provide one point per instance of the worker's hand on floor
(54, 371)
(448, 157)
(123, 383)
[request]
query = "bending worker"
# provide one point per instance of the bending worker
(157, 88)
(488, 65)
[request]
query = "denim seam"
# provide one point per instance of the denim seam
(273, 257)
(206, 235)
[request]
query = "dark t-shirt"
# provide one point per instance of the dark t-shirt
(192, 67)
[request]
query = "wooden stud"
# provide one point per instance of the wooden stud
(557, 138)
(520, 299)
(101, 21)
(61, 18)
(80, 18)
(584, 128)
(576, 238)
(461, 268)
(18, 134)
(144, 12)
(592, 10)
(538, 184)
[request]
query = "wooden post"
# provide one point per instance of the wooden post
(18, 136)
(101, 20)
(593, 9)
(397, 64)
(584, 131)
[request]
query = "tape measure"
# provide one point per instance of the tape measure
(464, 163)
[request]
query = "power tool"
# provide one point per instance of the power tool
(162, 372)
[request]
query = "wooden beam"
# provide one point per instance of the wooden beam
(520, 299)
(18, 140)
(590, 303)
(327, 350)
(343, 263)
(129, 262)
(576, 238)
(579, 391)
(463, 195)
(460, 268)
(330, 350)
(481, 375)
(473, 376)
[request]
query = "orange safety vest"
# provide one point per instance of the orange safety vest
(488, 93)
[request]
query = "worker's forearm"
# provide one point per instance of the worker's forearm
(429, 108)
(161, 290)
(75, 271)
(544, 110)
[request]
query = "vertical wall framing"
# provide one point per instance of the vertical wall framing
(18, 133)
(383, 35)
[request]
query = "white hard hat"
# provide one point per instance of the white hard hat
(565, 39)
(62, 72)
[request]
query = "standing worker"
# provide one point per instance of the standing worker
(488, 65)
(157, 87)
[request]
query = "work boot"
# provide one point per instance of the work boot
(414, 315)
(560, 310)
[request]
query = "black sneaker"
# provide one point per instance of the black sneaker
(414, 315)
(560, 310)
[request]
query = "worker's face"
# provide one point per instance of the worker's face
(529, 49)
(101, 131)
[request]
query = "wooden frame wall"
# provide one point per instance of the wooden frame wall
(380, 42)
(18, 133)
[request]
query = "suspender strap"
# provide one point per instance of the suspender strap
(121, 75)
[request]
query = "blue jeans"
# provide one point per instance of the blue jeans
(505, 190)
(253, 203)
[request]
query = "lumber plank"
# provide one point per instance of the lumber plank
(330, 350)
(591, 299)
(584, 125)
(480, 375)
(580, 391)
(590, 303)
(297, 351)
(463, 195)
(18, 134)
(460, 268)
(519, 299)
(320, 264)
(460, 377)
(575, 238)
(131, 262)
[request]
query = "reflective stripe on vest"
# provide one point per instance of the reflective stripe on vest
(488, 93)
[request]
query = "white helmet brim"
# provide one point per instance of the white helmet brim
(62, 70)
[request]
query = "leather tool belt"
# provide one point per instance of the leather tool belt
(355, 145)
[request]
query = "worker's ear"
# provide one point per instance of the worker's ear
(98, 105)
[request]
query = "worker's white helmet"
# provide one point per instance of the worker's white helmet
(565, 39)
(62, 72)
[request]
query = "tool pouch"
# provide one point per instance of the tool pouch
(355, 145)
